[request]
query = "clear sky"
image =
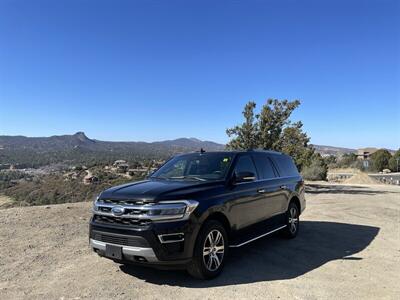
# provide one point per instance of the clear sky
(154, 70)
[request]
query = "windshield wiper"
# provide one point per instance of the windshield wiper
(188, 177)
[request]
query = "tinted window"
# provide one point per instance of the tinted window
(264, 166)
(245, 164)
(286, 165)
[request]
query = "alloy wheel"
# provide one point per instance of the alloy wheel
(293, 219)
(213, 250)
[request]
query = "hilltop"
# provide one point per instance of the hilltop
(78, 148)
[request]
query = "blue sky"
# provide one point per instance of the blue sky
(154, 70)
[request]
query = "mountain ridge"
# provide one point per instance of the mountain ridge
(81, 141)
(79, 149)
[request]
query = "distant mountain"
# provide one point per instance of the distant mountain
(330, 150)
(191, 143)
(36, 151)
(46, 144)
(81, 141)
(78, 148)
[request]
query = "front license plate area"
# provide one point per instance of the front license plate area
(113, 251)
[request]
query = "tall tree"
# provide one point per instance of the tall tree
(273, 118)
(272, 130)
(246, 134)
(294, 142)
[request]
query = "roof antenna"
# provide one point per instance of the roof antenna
(202, 150)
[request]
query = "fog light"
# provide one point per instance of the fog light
(171, 238)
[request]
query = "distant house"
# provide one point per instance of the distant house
(364, 154)
(121, 166)
(138, 172)
(5, 166)
(119, 162)
(89, 179)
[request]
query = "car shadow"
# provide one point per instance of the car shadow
(275, 258)
(342, 189)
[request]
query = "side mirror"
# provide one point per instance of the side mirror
(244, 177)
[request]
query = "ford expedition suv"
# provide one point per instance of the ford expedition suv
(195, 207)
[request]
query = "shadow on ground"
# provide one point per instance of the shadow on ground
(274, 258)
(342, 189)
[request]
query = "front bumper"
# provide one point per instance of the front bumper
(129, 253)
(147, 245)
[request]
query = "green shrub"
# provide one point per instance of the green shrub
(380, 160)
(316, 171)
(394, 162)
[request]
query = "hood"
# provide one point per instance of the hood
(154, 190)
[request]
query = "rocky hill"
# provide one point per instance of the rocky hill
(330, 150)
(80, 140)
(37, 151)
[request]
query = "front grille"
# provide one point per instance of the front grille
(113, 211)
(132, 241)
(120, 221)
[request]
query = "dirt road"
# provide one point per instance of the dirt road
(348, 248)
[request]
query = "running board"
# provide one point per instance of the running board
(257, 237)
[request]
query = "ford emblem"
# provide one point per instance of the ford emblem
(118, 210)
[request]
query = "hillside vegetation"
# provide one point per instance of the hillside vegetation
(25, 190)
(33, 152)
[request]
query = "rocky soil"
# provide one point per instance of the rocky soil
(348, 248)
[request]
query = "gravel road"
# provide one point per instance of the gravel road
(348, 247)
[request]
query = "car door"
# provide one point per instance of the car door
(288, 176)
(270, 185)
(245, 200)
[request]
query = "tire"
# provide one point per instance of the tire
(292, 221)
(205, 266)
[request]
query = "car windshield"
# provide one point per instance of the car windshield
(196, 166)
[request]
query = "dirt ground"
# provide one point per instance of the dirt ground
(348, 248)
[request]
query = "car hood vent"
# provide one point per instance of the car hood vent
(124, 201)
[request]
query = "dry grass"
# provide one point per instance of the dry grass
(5, 200)
(344, 170)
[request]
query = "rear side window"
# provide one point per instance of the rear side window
(286, 165)
(264, 166)
(245, 164)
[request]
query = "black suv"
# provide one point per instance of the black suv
(194, 208)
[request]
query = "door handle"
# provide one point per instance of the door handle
(283, 187)
(261, 191)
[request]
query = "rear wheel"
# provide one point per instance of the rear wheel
(292, 221)
(210, 251)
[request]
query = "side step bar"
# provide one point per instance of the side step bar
(257, 237)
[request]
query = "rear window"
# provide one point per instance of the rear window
(285, 165)
(264, 166)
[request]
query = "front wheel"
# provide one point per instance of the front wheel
(210, 251)
(292, 221)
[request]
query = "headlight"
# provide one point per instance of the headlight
(172, 209)
(95, 207)
(167, 211)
